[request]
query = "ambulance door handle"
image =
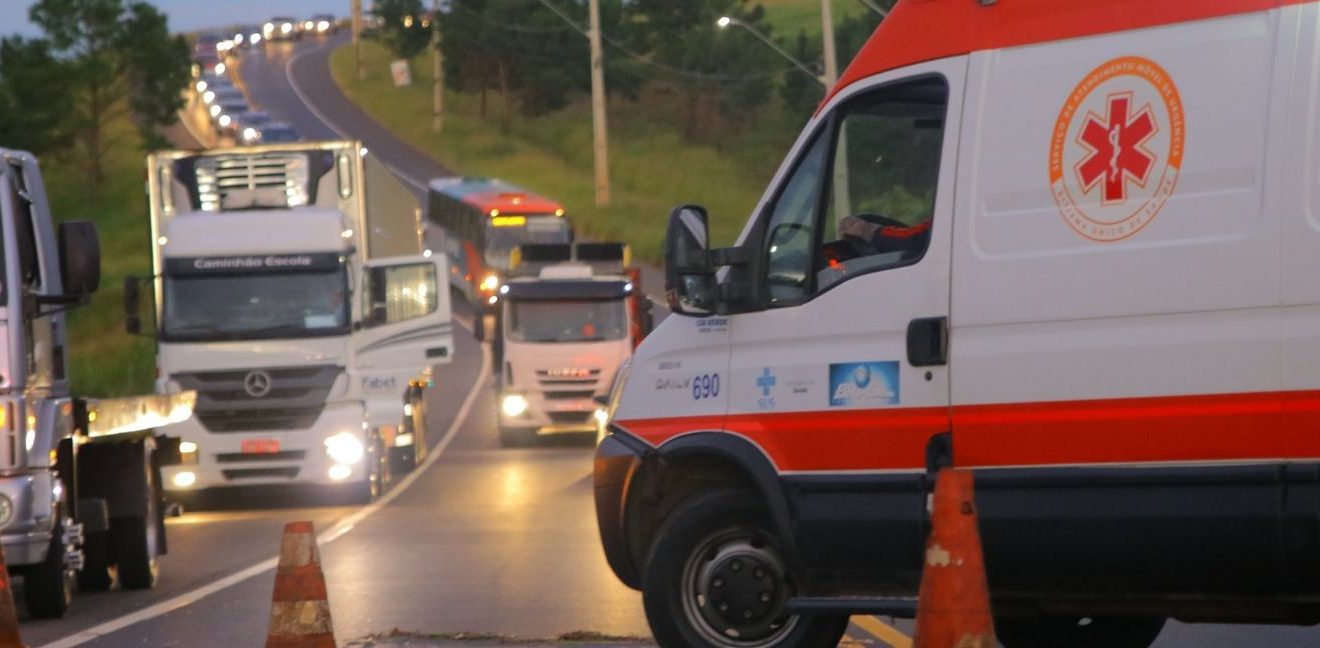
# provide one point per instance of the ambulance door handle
(928, 341)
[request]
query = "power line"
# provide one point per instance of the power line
(703, 76)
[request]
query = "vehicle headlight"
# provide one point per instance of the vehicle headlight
(215, 111)
(201, 86)
(490, 283)
(185, 479)
(225, 120)
(323, 25)
(345, 448)
(286, 28)
(220, 68)
(6, 511)
(209, 96)
(268, 28)
(256, 38)
(249, 133)
(514, 405)
(187, 447)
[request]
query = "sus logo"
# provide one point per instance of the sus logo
(1116, 149)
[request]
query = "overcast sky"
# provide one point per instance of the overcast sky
(192, 15)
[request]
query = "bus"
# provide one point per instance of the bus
(483, 221)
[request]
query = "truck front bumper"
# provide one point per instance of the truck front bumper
(27, 535)
(267, 458)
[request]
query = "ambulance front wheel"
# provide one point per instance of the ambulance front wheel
(1077, 632)
(716, 578)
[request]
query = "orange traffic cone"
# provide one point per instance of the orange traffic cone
(8, 614)
(953, 610)
(299, 611)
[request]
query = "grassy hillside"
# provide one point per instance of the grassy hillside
(653, 168)
(789, 16)
(105, 361)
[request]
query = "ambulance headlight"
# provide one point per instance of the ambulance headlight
(345, 448)
(514, 405)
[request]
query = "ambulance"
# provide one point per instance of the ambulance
(1071, 246)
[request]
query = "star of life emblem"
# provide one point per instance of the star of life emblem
(1116, 149)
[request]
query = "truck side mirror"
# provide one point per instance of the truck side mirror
(132, 302)
(689, 274)
(80, 258)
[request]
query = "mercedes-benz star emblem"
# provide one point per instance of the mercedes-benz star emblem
(257, 384)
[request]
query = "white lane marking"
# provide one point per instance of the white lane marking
(302, 96)
(325, 537)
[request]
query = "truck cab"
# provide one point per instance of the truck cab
(568, 320)
(293, 294)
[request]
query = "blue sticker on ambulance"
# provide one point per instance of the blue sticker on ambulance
(864, 384)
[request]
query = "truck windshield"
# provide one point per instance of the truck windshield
(255, 306)
(567, 320)
(505, 233)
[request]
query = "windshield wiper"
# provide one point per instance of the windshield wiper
(194, 329)
(276, 329)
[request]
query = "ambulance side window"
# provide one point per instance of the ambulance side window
(884, 172)
(790, 233)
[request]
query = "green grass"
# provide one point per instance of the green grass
(104, 360)
(653, 167)
(789, 16)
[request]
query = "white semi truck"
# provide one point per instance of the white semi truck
(570, 315)
(292, 292)
(80, 488)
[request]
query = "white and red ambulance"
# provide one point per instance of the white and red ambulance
(1073, 246)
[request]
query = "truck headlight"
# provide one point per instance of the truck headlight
(185, 479)
(514, 405)
(345, 448)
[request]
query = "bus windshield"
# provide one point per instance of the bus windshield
(503, 238)
(567, 320)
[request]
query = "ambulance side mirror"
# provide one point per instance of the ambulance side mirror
(689, 275)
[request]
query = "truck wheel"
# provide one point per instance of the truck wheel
(95, 575)
(48, 585)
(1075, 632)
(715, 578)
(134, 539)
(514, 437)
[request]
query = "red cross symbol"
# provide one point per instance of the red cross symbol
(1117, 152)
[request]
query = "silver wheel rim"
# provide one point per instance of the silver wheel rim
(702, 602)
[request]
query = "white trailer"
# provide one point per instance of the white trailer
(292, 292)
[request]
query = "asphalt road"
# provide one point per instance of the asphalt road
(482, 540)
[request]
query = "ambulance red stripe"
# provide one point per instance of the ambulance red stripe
(1235, 428)
(926, 30)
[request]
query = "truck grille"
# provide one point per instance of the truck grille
(259, 473)
(231, 182)
(295, 398)
(571, 418)
(570, 395)
(568, 378)
(249, 457)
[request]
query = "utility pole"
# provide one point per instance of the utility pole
(598, 113)
(437, 72)
(357, 39)
(827, 39)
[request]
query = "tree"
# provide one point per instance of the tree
(34, 96)
(402, 29)
(720, 72)
(120, 57)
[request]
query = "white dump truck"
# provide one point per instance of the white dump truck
(80, 488)
(292, 292)
(570, 316)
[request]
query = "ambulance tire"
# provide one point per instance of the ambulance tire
(1096, 632)
(685, 559)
